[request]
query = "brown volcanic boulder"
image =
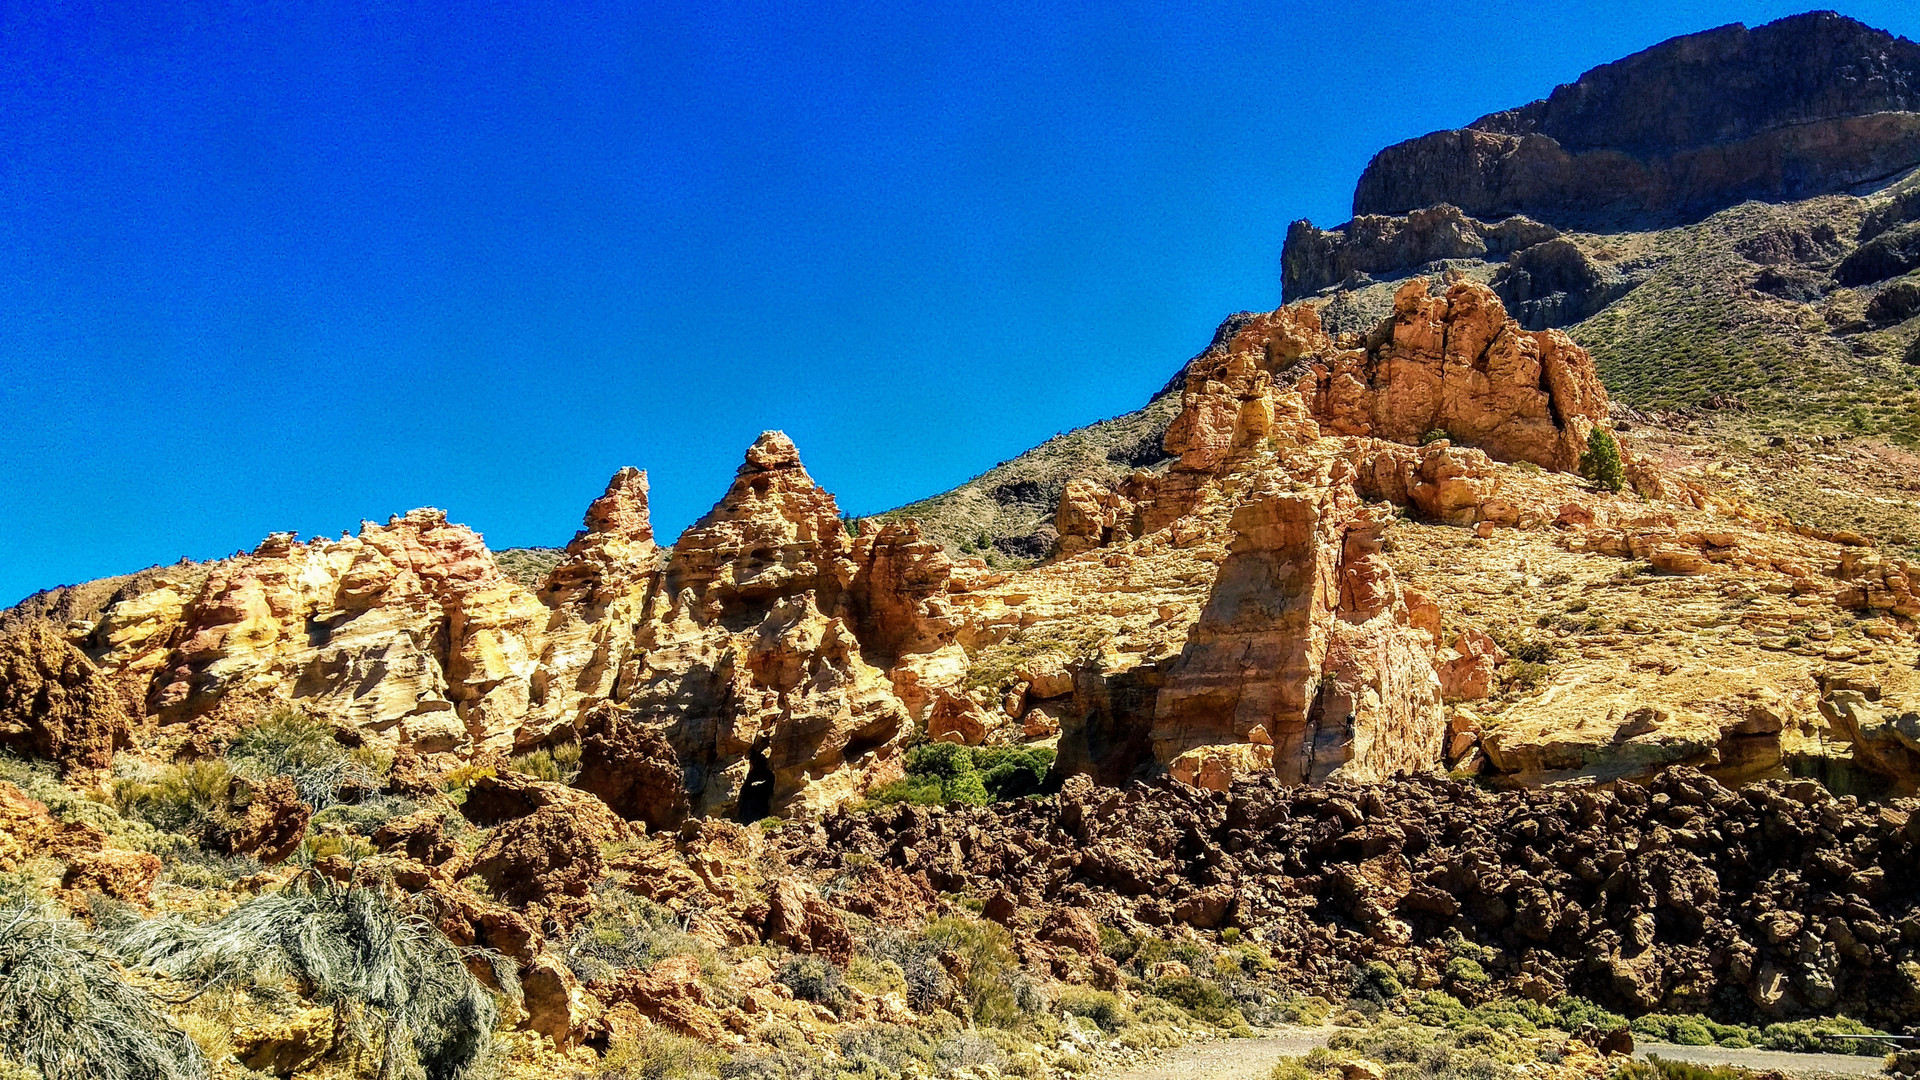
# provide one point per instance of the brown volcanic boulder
(799, 919)
(267, 820)
(127, 876)
(54, 704)
(420, 836)
(549, 858)
(632, 768)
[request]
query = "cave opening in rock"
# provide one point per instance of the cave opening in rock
(756, 795)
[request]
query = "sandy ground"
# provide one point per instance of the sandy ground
(1252, 1059)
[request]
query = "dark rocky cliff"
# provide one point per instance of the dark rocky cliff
(1802, 106)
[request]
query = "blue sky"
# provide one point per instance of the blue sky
(285, 267)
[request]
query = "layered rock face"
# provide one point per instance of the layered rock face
(1453, 364)
(750, 666)
(743, 671)
(407, 629)
(1805, 105)
(1307, 659)
(1305, 652)
(1389, 245)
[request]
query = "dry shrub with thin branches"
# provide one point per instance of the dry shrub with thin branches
(66, 1011)
(402, 997)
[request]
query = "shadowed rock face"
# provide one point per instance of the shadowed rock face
(1386, 246)
(1805, 105)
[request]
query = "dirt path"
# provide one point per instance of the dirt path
(1252, 1059)
(1227, 1059)
(1799, 1065)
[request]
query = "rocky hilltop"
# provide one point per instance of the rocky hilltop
(1733, 260)
(1799, 107)
(1387, 662)
(1810, 105)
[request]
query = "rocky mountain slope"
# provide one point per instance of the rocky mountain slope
(1799, 107)
(1732, 260)
(1389, 660)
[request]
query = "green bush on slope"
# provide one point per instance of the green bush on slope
(1601, 463)
(941, 773)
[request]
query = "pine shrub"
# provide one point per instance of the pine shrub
(1601, 463)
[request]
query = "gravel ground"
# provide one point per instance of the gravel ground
(1799, 1065)
(1227, 1059)
(1251, 1059)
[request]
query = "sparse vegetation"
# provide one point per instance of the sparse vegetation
(655, 1053)
(556, 765)
(815, 979)
(1006, 512)
(288, 742)
(630, 931)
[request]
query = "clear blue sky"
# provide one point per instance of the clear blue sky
(284, 267)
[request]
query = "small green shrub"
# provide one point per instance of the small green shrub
(1460, 969)
(1821, 1036)
(998, 990)
(883, 1050)
(1118, 947)
(655, 1053)
(928, 986)
(1202, 997)
(1312, 1011)
(629, 931)
(1659, 1068)
(1010, 772)
(1098, 1006)
(1377, 982)
(288, 742)
(814, 979)
(179, 798)
(942, 772)
(1524, 675)
(556, 765)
